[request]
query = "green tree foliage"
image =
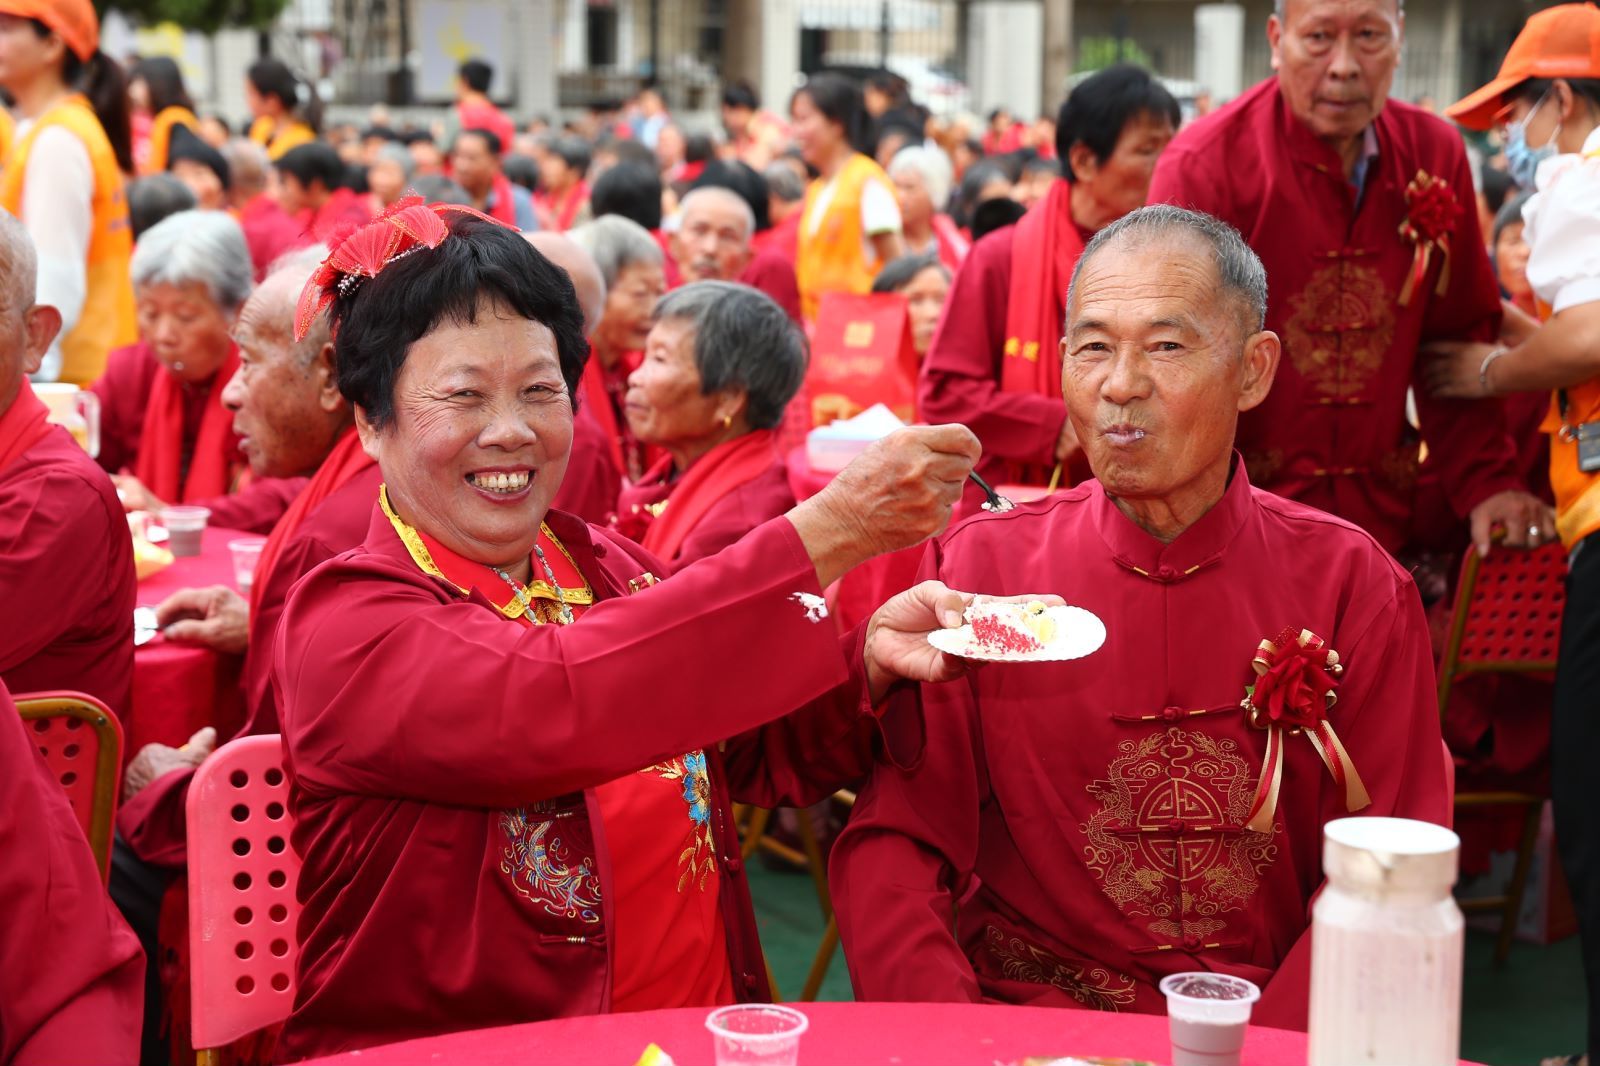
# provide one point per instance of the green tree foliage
(1097, 53)
(206, 16)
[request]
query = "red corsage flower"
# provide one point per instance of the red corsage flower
(1431, 213)
(1296, 685)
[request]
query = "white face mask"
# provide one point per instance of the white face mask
(1522, 162)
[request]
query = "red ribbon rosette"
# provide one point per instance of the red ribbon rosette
(1431, 213)
(1297, 681)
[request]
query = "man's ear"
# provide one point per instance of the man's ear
(1274, 39)
(1262, 351)
(328, 397)
(43, 323)
(1081, 158)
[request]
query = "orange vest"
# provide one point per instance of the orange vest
(277, 139)
(107, 320)
(161, 136)
(830, 255)
(8, 133)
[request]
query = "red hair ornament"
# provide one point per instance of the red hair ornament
(408, 226)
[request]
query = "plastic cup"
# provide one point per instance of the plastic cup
(184, 526)
(1207, 1015)
(246, 554)
(756, 1034)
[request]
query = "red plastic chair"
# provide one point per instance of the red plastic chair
(242, 907)
(1506, 619)
(81, 741)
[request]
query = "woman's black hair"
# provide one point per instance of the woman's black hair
(742, 179)
(977, 176)
(272, 77)
(101, 80)
(698, 147)
(164, 83)
(1099, 109)
(630, 190)
(740, 94)
(839, 100)
(378, 320)
(521, 170)
(315, 161)
(899, 272)
(1532, 89)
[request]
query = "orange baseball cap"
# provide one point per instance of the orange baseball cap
(1558, 42)
(74, 21)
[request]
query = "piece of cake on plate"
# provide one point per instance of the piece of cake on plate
(1011, 628)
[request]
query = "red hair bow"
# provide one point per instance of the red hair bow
(409, 225)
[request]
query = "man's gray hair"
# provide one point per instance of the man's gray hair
(197, 246)
(707, 193)
(248, 164)
(617, 243)
(784, 183)
(292, 270)
(401, 157)
(19, 265)
(1239, 270)
(933, 165)
(742, 340)
(1279, 6)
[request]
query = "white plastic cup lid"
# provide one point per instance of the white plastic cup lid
(1209, 997)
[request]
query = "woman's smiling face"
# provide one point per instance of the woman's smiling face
(480, 435)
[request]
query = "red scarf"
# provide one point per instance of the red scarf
(25, 424)
(505, 208)
(345, 461)
(712, 477)
(161, 449)
(598, 399)
(1044, 249)
(563, 213)
(953, 246)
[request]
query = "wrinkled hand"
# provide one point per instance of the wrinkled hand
(1450, 369)
(896, 494)
(133, 494)
(158, 760)
(217, 617)
(1067, 444)
(1527, 520)
(897, 645)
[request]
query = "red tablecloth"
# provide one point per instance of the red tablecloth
(179, 688)
(840, 1034)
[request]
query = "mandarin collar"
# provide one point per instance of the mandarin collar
(1306, 147)
(1199, 546)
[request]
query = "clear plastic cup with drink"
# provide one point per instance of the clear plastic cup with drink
(184, 526)
(1207, 1014)
(246, 554)
(756, 1034)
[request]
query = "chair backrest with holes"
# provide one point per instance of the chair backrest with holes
(81, 741)
(242, 908)
(1507, 615)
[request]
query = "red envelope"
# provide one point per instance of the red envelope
(861, 354)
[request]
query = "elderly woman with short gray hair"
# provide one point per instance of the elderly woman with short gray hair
(632, 264)
(721, 363)
(922, 179)
(164, 434)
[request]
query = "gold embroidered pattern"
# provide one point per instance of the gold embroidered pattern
(697, 860)
(1088, 984)
(542, 870)
(1167, 841)
(1339, 328)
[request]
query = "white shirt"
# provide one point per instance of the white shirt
(1562, 227)
(58, 213)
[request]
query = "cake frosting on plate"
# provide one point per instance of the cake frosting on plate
(1011, 627)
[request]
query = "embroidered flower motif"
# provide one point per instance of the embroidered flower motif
(698, 857)
(697, 787)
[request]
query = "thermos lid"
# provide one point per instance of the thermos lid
(1390, 853)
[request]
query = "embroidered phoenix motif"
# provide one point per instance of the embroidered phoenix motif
(541, 868)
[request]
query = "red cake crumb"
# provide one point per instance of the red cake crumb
(997, 636)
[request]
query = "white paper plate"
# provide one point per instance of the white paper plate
(1078, 633)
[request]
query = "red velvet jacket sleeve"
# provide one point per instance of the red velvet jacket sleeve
(960, 377)
(908, 853)
(416, 698)
(71, 973)
(257, 507)
(1468, 443)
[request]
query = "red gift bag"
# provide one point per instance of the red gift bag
(861, 354)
